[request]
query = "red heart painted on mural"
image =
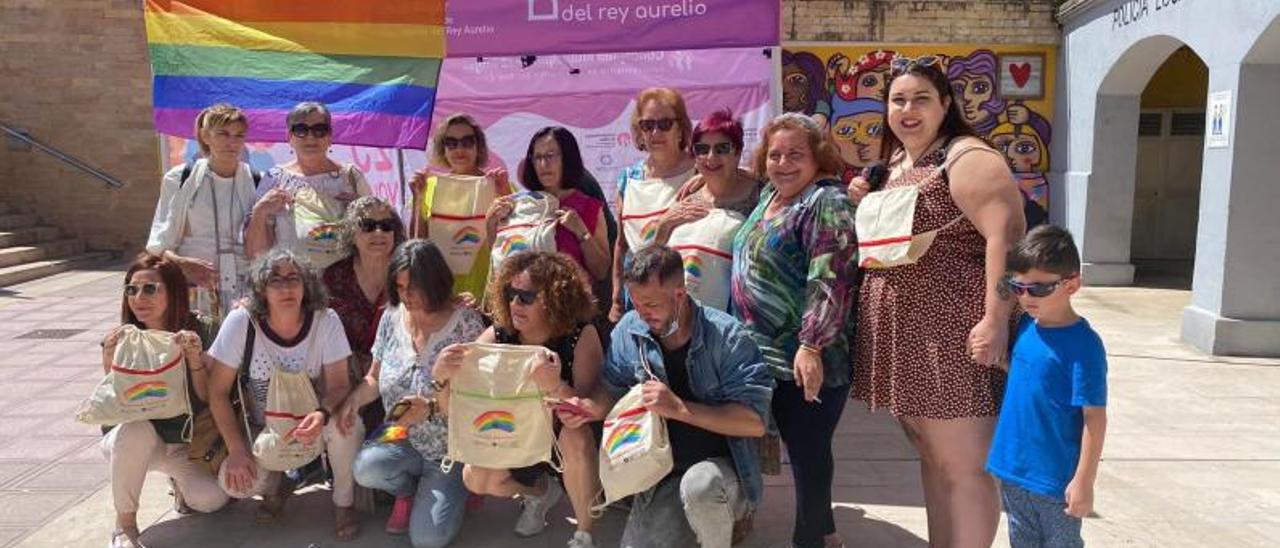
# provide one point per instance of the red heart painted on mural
(1021, 73)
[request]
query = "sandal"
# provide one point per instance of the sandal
(346, 523)
(272, 505)
(125, 538)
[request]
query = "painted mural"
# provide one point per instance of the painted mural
(1005, 93)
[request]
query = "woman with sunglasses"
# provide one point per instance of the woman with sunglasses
(272, 221)
(458, 144)
(358, 284)
(423, 318)
(293, 330)
(553, 164)
(719, 184)
(660, 128)
(932, 335)
(155, 298)
(540, 299)
(202, 208)
(792, 286)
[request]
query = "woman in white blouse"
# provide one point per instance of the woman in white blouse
(202, 209)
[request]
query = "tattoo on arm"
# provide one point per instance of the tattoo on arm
(1002, 288)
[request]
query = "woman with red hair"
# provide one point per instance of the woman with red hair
(710, 208)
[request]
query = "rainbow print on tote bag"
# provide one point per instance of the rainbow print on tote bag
(497, 418)
(148, 380)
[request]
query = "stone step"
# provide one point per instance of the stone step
(10, 221)
(28, 235)
(16, 255)
(30, 271)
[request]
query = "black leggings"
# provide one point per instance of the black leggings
(807, 429)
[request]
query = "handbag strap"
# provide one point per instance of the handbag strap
(644, 360)
(246, 361)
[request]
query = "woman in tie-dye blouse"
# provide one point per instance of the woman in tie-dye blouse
(793, 278)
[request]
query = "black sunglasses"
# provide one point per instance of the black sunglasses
(148, 289)
(721, 149)
(1037, 290)
(902, 63)
(524, 296)
(661, 124)
(319, 131)
(385, 225)
(465, 142)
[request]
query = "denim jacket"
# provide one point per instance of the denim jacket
(725, 366)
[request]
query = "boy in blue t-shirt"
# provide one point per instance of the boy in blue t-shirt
(1048, 439)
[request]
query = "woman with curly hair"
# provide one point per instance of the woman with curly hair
(541, 299)
(291, 328)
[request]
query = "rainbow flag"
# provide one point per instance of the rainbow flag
(374, 64)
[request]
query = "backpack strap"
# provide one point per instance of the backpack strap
(186, 174)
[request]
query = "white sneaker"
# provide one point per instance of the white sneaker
(581, 539)
(533, 517)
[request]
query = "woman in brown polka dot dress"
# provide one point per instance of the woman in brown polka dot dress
(931, 335)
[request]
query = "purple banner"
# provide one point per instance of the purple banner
(536, 27)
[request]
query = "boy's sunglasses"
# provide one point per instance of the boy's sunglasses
(385, 225)
(466, 142)
(148, 289)
(902, 63)
(1037, 290)
(661, 124)
(319, 131)
(721, 149)
(524, 296)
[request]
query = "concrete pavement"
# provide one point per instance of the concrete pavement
(1192, 455)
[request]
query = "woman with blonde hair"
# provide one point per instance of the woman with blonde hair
(458, 145)
(660, 127)
(202, 208)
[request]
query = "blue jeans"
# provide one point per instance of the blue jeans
(695, 508)
(439, 499)
(1037, 521)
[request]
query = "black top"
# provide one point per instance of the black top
(689, 444)
(563, 346)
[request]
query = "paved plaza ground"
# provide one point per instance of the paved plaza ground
(1192, 455)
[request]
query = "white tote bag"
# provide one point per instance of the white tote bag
(456, 223)
(497, 418)
(635, 453)
(148, 380)
(644, 204)
(530, 227)
(706, 245)
(290, 398)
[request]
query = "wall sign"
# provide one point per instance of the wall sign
(1218, 126)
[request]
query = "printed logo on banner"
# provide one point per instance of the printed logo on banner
(544, 10)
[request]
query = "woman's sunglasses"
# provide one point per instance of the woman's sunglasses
(149, 289)
(319, 131)
(524, 296)
(721, 149)
(902, 63)
(465, 142)
(661, 124)
(385, 225)
(1037, 290)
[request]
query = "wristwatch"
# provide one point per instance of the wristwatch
(326, 414)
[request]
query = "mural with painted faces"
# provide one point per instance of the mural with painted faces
(973, 83)
(856, 127)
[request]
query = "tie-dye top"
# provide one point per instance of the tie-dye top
(794, 277)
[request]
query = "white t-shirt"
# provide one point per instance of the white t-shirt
(324, 342)
(200, 237)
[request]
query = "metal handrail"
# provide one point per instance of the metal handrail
(111, 182)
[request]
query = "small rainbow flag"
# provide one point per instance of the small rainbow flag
(375, 65)
(495, 420)
(154, 390)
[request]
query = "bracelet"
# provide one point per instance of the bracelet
(326, 414)
(811, 348)
(439, 386)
